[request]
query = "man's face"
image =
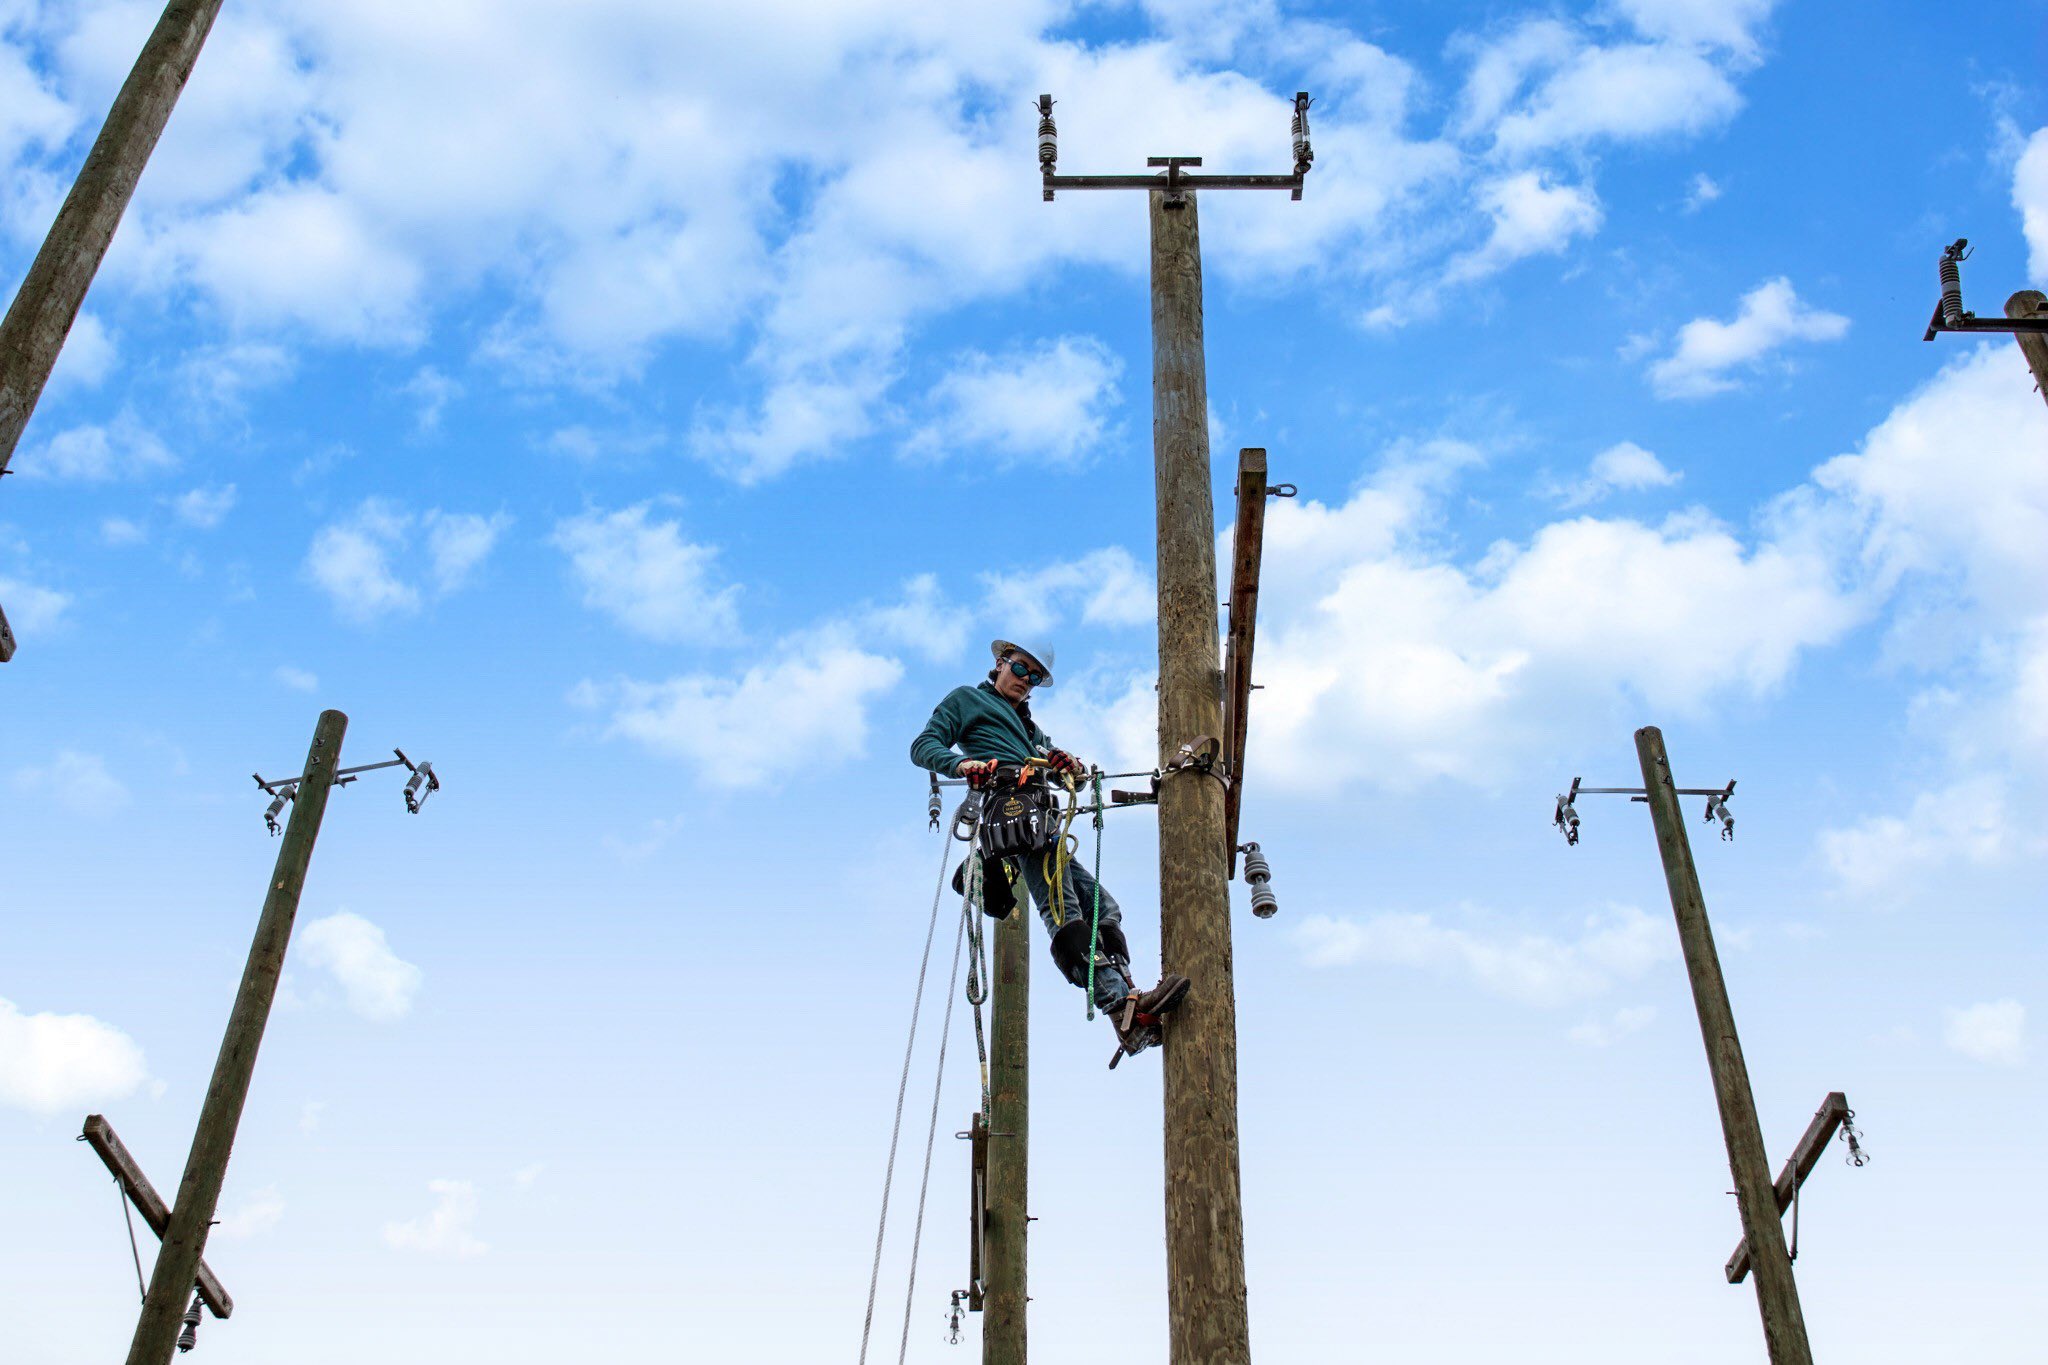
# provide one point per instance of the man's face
(1008, 684)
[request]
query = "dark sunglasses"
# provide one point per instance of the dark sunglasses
(1020, 669)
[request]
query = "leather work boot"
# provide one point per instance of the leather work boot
(1138, 1021)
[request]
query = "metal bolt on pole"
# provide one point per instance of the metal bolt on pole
(1777, 1291)
(177, 1264)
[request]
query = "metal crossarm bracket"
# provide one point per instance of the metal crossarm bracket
(1174, 182)
(1949, 315)
(1566, 815)
(422, 784)
(1834, 1113)
(99, 1135)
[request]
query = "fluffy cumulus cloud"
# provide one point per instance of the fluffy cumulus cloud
(254, 1216)
(1994, 1032)
(1412, 666)
(376, 982)
(31, 607)
(1710, 354)
(641, 571)
(60, 1063)
(204, 508)
(1623, 467)
(1104, 587)
(767, 721)
(444, 1230)
(1534, 968)
(2030, 197)
(383, 560)
(357, 175)
(1887, 859)
(99, 453)
(1048, 404)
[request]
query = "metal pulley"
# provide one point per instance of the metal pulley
(1258, 875)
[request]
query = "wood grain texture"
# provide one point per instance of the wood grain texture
(50, 295)
(2026, 304)
(156, 1331)
(1005, 1244)
(1208, 1323)
(1777, 1293)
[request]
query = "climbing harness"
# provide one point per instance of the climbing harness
(1095, 913)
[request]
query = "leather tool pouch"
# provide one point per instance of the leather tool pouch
(1017, 820)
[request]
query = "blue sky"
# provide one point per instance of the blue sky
(646, 415)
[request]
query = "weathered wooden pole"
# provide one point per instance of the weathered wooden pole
(177, 1264)
(1006, 1236)
(1777, 1293)
(1208, 1322)
(46, 305)
(2030, 303)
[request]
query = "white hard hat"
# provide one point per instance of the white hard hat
(1044, 656)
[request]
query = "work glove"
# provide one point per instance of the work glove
(1060, 761)
(979, 772)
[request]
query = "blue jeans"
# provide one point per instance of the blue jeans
(1076, 902)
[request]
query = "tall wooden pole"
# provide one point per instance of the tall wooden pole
(1009, 1147)
(1208, 1322)
(2030, 303)
(156, 1332)
(1777, 1293)
(48, 301)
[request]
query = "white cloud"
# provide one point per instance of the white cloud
(1889, 858)
(2030, 197)
(1531, 217)
(311, 1113)
(644, 575)
(204, 508)
(459, 541)
(1104, 587)
(1994, 1032)
(524, 1177)
(445, 1230)
(1047, 404)
(99, 453)
(1771, 317)
(57, 1063)
(80, 783)
(354, 560)
(1536, 969)
(254, 1216)
(1625, 466)
(121, 531)
(1703, 191)
(1729, 24)
(298, 679)
(922, 620)
(803, 707)
(1607, 1032)
(1625, 93)
(378, 983)
(433, 391)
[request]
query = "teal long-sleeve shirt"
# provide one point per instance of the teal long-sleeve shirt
(982, 725)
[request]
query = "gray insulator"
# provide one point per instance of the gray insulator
(1048, 137)
(1304, 155)
(189, 1338)
(1258, 875)
(1951, 291)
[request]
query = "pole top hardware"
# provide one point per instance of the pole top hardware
(422, 784)
(1566, 815)
(1949, 314)
(1173, 183)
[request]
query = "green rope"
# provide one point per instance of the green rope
(1095, 917)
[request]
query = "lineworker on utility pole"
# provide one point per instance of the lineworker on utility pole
(986, 735)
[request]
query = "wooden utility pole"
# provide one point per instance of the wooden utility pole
(49, 298)
(1005, 1234)
(184, 1240)
(2032, 304)
(1207, 1314)
(1777, 1293)
(1207, 1319)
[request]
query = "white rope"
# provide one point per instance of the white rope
(902, 1088)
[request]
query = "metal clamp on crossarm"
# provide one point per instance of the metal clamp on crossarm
(1949, 313)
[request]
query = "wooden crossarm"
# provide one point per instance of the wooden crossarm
(1247, 544)
(99, 1134)
(1804, 1158)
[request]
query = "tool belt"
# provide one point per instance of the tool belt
(1017, 818)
